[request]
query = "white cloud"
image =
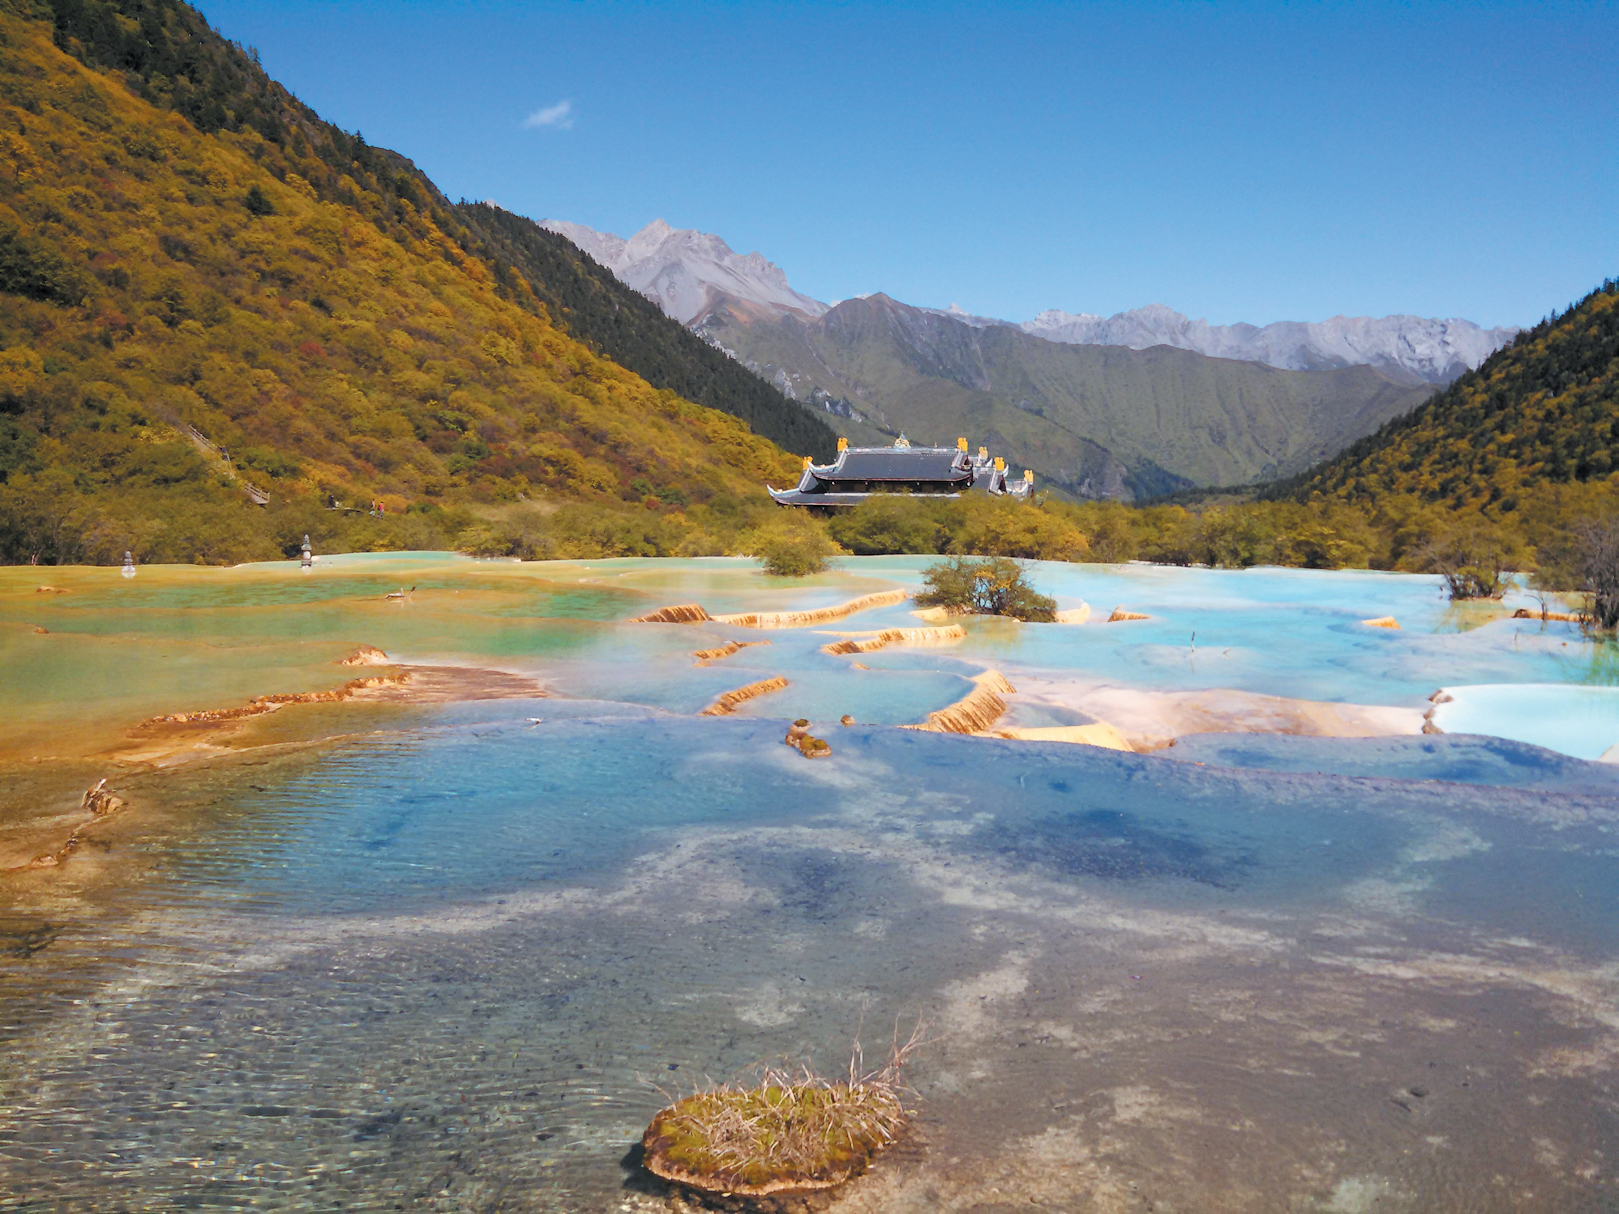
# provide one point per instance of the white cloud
(559, 115)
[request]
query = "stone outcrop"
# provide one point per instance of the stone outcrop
(818, 615)
(728, 702)
(680, 613)
(975, 712)
(367, 655)
(99, 802)
(1074, 615)
(897, 636)
(1119, 613)
(1383, 621)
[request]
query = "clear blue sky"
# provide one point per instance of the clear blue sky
(1252, 162)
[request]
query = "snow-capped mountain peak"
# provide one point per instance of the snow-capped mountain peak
(687, 272)
(1412, 348)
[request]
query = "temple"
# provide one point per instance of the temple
(862, 472)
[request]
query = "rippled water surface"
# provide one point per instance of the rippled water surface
(452, 956)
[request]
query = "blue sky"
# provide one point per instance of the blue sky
(1252, 162)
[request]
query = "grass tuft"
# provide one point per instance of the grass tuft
(791, 1131)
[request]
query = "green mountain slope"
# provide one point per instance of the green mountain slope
(320, 326)
(1543, 412)
(167, 53)
(1098, 421)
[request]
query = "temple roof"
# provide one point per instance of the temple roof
(896, 464)
(858, 472)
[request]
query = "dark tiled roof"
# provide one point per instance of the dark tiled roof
(792, 497)
(895, 464)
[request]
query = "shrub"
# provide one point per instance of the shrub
(794, 546)
(1473, 560)
(1596, 546)
(790, 1133)
(989, 586)
(32, 268)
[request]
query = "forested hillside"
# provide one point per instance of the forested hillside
(167, 52)
(626, 326)
(1542, 412)
(182, 244)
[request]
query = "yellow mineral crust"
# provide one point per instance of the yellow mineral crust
(728, 702)
(976, 711)
(896, 636)
(724, 651)
(818, 615)
(680, 613)
(1098, 733)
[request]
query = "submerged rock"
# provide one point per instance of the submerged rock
(814, 748)
(99, 802)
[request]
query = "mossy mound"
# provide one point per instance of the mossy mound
(777, 1138)
(814, 748)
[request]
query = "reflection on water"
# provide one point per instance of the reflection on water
(426, 956)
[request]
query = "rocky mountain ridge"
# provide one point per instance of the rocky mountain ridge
(1412, 349)
(1092, 421)
(690, 273)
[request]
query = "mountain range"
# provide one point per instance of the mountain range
(690, 273)
(1092, 421)
(1136, 405)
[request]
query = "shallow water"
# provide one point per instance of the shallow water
(419, 956)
